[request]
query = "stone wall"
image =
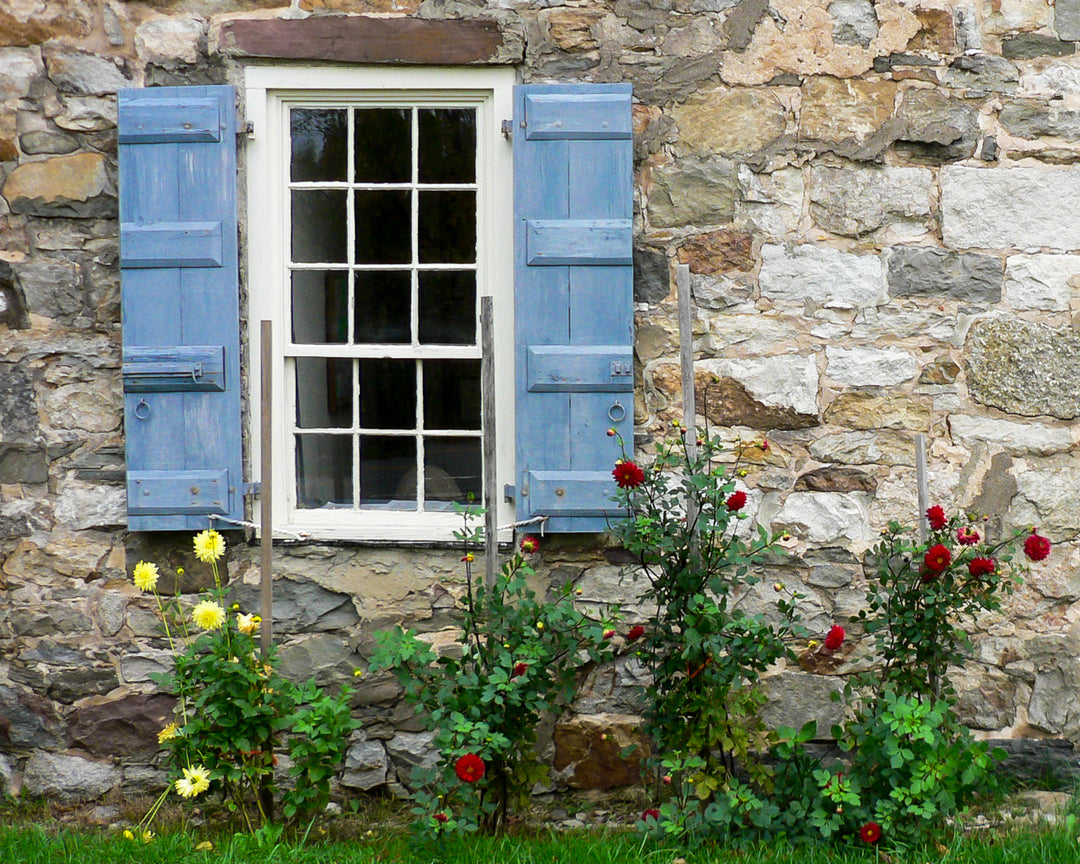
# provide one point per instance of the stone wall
(879, 204)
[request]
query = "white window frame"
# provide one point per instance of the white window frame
(269, 91)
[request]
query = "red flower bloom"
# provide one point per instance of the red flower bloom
(441, 817)
(469, 767)
(835, 638)
(635, 633)
(938, 520)
(519, 669)
(936, 560)
(628, 475)
(651, 813)
(967, 536)
(1036, 547)
(608, 634)
(981, 567)
(736, 501)
(870, 832)
(529, 545)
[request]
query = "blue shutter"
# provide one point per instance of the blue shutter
(180, 301)
(573, 224)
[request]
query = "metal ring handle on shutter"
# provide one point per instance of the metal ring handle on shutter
(142, 409)
(616, 408)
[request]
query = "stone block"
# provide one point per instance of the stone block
(168, 41)
(68, 778)
(870, 367)
(80, 506)
(329, 658)
(867, 411)
(727, 122)
(412, 751)
(1015, 207)
(121, 727)
(1052, 706)
(1023, 367)
(796, 698)
(1067, 19)
(1032, 439)
(1032, 118)
(982, 72)
(696, 193)
(19, 67)
(652, 275)
(937, 32)
(854, 22)
(18, 404)
(858, 200)
(76, 71)
(718, 252)
(822, 275)
(936, 126)
(75, 186)
(34, 721)
(89, 114)
(822, 518)
(1009, 16)
(301, 606)
(366, 765)
(1027, 46)
(1046, 495)
(918, 271)
(848, 115)
(835, 479)
(23, 464)
(46, 141)
(885, 447)
(589, 750)
(788, 382)
(1040, 281)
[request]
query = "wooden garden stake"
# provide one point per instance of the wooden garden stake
(920, 482)
(487, 389)
(686, 357)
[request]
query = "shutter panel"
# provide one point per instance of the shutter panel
(573, 295)
(180, 301)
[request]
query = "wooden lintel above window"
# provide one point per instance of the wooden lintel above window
(355, 39)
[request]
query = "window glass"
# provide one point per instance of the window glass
(447, 307)
(319, 140)
(320, 299)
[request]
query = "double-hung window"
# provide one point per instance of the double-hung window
(379, 213)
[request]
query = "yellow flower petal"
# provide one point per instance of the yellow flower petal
(209, 545)
(168, 733)
(208, 615)
(145, 576)
(247, 623)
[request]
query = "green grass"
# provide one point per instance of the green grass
(32, 844)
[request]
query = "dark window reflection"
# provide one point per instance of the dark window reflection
(453, 470)
(319, 138)
(383, 226)
(451, 394)
(447, 227)
(383, 144)
(388, 394)
(324, 470)
(319, 226)
(324, 391)
(388, 471)
(447, 145)
(447, 307)
(320, 307)
(383, 305)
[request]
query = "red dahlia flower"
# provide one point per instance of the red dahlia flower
(635, 633)
(736, 501)
(519, 669)
(529, 545)
(937, 559)
(608, 634)
(870, 832)
(835, 638)
(936, 517)
(981, 567)
(469, 767)
(441, 817)
(1036, 547)
(967, 536)
(651, 813)
(628, 475)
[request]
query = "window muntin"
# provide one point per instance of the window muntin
(383, 215)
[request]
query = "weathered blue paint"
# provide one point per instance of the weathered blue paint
(573, 211)
(180, 306)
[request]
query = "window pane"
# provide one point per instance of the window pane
(383, 145)
(324, 470)
(388, 394)
(383, 227)
(447, 145)
(383, 304)
(451, 394)
(319, 226)
(453, 471)
(320, 307)
(388, 472)
(448, 307)
(323, 393)
(319, 144)
(447, 229)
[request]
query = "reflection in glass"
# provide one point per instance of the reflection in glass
(452, 472)
(451, 394)
(319, 139)
(320, 307)
(383, 145)
(383, 226)
(447, 227)
(388, 471)
(447, 145)
(324, 470)
(323, 392)
(383, 304)
(319, 226)
(388, 394)
(447, 310)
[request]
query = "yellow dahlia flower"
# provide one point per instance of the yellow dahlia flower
(247, 623)
(168, 733)
(208, 615)
(145, 576)
(209, 545)
(194, 782)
